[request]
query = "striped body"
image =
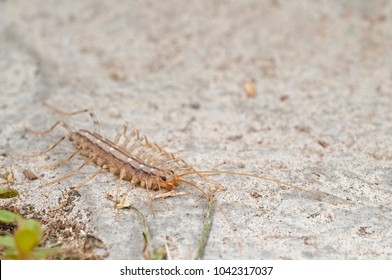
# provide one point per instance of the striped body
(120, 162)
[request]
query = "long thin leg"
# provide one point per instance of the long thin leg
(69, 174)
(46, 151)
(135, 145)
(122, 132)
(150, 198)
(170, 157)
(88, 180)
(74, 189)
(129, 138)
(123, 173)
(172, 193)
(91, 113)
(122, 176)
(61, 162)
(118, 183)
(60, 122)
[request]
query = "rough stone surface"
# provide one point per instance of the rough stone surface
(321, 118)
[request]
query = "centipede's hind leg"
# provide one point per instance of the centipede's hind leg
(43, 132)
(66, 137)
(45, 151)
(90, 112)
(59, 123)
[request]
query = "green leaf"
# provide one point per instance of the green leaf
(7, 192)
(27, 236)
(10, 254)
(7, 241)
(9, 217)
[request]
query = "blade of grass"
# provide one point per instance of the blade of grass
(146, 232)
(205, 233)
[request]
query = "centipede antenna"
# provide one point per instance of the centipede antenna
(208, 196)
(218, 172)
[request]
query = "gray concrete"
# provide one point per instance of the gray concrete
(321, 119)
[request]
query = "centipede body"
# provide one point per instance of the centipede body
(121, 162)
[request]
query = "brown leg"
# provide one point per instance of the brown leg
(88, 180)
(74, 189)
(69, 174)
(60, 163)
(61, 122)
(91, 113)
(172, 193)
(46, 151)
(122, 176)
(121, 133)
(129, 138)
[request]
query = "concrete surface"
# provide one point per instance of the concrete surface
(321, 118)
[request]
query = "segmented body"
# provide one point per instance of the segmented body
(136, 167)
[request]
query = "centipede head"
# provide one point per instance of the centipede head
(174, 179)
(167, 179)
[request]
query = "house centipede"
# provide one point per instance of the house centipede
(138, 160)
